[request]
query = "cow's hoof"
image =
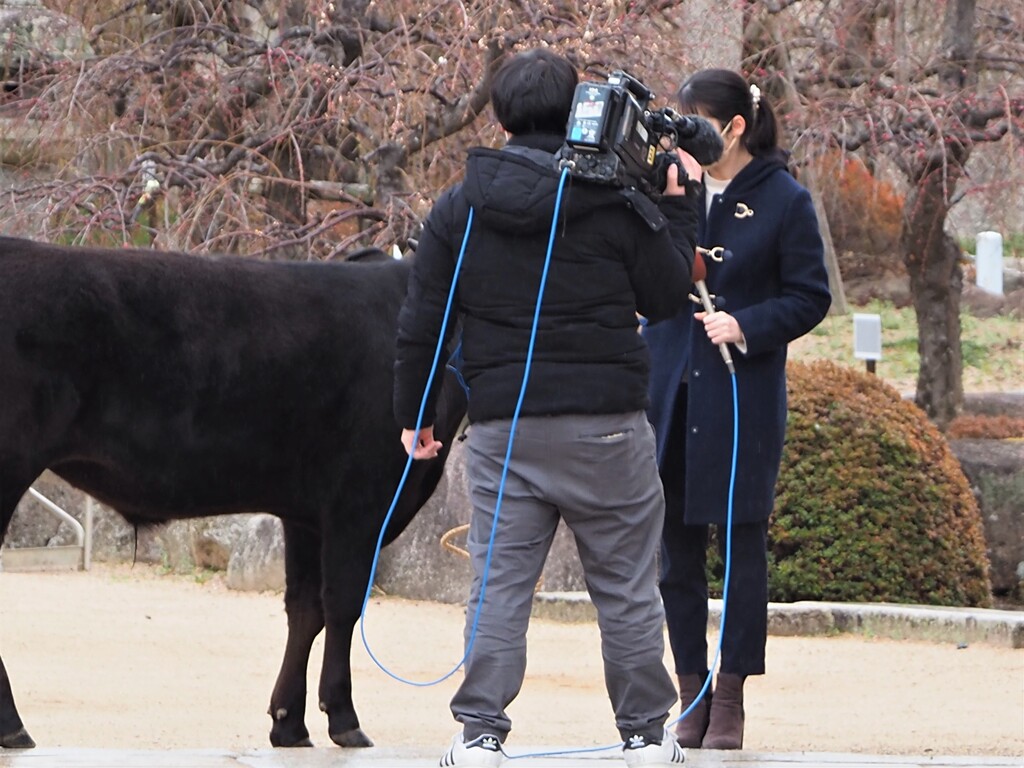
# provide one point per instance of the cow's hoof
(17, 740)
(297, 740)
(353, 738)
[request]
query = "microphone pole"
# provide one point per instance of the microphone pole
(700, 272)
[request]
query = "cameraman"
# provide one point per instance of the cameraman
(584, 449)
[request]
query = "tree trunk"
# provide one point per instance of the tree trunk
(932, 260)
(929, 252)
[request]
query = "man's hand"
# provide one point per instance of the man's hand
(692, 168)
(426, 447)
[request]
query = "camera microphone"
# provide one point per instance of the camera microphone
(697, 136)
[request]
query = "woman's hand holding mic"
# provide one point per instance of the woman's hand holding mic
(721, 327)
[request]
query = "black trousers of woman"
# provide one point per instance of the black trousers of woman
(684, 586)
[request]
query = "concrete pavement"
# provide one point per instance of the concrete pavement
(953, 625)
(418, 758)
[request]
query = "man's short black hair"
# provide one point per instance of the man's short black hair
(533, 91)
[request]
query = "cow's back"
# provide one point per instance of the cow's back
(174, 385)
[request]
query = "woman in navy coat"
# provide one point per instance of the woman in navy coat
(771, 288)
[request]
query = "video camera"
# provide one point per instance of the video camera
(614, 138)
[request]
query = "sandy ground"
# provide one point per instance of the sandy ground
(126, 658)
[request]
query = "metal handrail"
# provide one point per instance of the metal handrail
(64, 516)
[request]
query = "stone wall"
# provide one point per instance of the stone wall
(995, 470)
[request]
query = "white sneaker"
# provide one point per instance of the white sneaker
(482, 752)
(642, 751)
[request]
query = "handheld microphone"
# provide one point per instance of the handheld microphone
(700, 271)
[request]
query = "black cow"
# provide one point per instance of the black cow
(172, 386)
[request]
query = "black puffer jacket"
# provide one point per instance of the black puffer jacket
(614, 255)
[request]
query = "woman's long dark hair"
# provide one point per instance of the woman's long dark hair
(723, 94)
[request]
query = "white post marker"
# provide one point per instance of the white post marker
(989, 262)
(867, 339)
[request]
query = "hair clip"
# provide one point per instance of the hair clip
(755, 96)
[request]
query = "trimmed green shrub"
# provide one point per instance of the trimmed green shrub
(871, 505)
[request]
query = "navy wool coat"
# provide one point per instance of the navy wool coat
(776, 286)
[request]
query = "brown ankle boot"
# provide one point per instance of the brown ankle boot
(690, 730)
(725, 731)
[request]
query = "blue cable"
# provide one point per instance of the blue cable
(728, 551)
(405, 475)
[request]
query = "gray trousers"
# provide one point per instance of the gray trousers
(599, 473)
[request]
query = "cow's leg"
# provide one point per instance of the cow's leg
(346, 567)
(305, 620)
(12, 731)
